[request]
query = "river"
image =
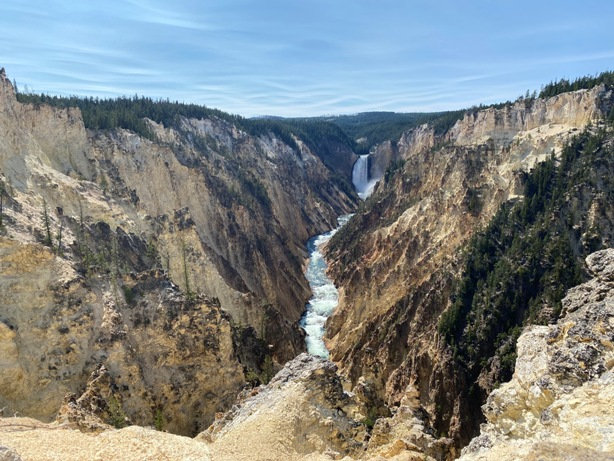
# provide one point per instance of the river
(325, 296)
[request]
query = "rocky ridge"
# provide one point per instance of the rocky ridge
(395, 261)
(303, 411)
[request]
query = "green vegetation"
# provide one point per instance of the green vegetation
(517, 270)
(2, 193)
(159, 420)
(190, 295)
(129, 295)
(117, 418)
(47, 238)
(371, 418)
(252, 187)
(58, 236)
(582, 83)
(473, 201)
(47, 225)
(268, 370)
(372, 128)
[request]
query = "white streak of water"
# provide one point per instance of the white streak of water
(360, 177)
(325, 296)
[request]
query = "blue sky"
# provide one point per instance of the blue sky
(305, 57)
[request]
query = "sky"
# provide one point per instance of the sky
(305, 57)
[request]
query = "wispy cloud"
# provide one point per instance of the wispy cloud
(304, 57)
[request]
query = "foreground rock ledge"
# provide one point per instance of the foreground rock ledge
(28, 439)
(557, 406)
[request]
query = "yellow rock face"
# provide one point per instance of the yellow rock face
(192, 189)
(395, 269)
(160, 353)
(140, 222)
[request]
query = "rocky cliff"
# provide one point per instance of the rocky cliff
(559, 403)
(107, 238)
(302, 412)
(397, 260)
(557, 406)
(156, 346)
(145, 278)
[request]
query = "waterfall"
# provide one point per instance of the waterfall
(360, 177)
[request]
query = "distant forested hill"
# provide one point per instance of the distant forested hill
(367, 129)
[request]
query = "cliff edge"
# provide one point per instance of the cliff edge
(558, 405)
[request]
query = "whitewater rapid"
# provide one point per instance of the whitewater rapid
(325, 296)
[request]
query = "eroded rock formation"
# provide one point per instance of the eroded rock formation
(396, 260)
(303, 411)
(559, 403)
(107, 238)
(557, 406)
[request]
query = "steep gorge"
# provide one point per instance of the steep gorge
(146, 279)
(108, 237)
(557, 406)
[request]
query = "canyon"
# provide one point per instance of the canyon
(557, 406)
(159, 281)
(109, 238)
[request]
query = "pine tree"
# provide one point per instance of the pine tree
(47, 224)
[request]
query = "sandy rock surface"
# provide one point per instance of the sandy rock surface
(32, 440)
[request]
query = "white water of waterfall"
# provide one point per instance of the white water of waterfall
(325, 296)
(360, 177)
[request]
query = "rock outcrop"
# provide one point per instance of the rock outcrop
(157, 349)
(559, 403)
(395, 261)
(29, 439)
(6, 454)
(302, 412)
(407, 435)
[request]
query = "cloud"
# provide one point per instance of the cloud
(302, 58)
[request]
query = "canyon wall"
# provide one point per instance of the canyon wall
(558, 404)
(397, 260)
(108, 238)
